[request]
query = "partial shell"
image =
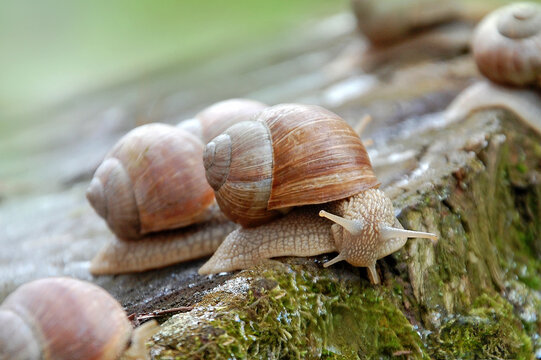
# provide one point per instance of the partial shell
(386, 21)
(238, 165)
(151, 180)
(216, 118)
(315, 157)
(507, 45)
(318, 157)
(69, 319)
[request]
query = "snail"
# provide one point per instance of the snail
(152, 192)
(305, 161)
(507, 50)
(506, 45)
(64, 318)
(383, 22)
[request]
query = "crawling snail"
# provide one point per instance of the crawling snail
(152, 192)
(295, 155)
(507, 50)
(64, 318)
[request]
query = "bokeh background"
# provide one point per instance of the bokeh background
(55, 50)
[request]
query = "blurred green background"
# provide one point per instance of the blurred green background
(52, 50)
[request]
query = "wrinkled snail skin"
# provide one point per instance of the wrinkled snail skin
(318, 166)
(62, 319)
(215, 119)
(507, 45)
(163, 248)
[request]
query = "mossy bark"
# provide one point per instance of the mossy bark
(475, 295)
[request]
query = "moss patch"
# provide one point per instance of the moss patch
(489, 330)
(292, 311)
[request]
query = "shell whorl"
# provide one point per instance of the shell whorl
(151, 180)
(111, 194)
(238, 165)
(289, 155)
(507, 45)
(63, 314)
(21, 341)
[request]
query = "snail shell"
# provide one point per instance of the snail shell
(216, 118)
(152, 180)
(383, 22)
(259, 168)
(507, 45)
(62, 318)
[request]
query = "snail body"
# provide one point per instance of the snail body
(507, 45)
(152, 191)
(62, 318)
(315, 158)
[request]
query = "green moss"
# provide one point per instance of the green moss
(297, 312)
(489, 330)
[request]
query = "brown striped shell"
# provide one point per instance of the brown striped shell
(289, 155)
(61, 319)
(507, 44)
(216, 118)
(152, 180)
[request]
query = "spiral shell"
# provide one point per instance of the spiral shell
(152, 180)
(507, 45)
(61, 319)
(216, 118)
(290, 155)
